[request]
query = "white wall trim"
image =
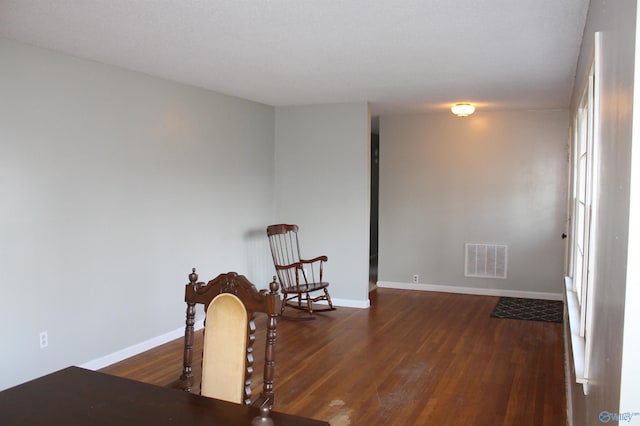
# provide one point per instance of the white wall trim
(138, 348)
(471, 290)
(567, 375)
(347, 303)
(577, 341)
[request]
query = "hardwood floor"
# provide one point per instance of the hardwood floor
(413, 358)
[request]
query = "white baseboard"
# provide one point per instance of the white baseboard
(471, 290)
(351, 303)
(138, 348)
(347, 303)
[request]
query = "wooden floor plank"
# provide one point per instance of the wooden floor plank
(416, 358)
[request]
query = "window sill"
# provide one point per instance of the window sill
(577, 341)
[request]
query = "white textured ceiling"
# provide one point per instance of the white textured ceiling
(402, 56)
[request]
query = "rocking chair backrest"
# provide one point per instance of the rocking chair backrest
(285, 250)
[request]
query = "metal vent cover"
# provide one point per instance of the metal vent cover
(484, 260)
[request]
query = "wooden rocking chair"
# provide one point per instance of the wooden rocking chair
(298, 277)
(231, 302)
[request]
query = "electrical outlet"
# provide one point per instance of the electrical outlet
(416, 279)
(44, 339)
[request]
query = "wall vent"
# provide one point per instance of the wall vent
(485, 260)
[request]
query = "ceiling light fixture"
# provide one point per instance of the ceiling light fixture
(463, 110)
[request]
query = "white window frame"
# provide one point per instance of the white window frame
(585, 175)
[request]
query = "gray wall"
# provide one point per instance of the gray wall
(322, 184)
(493, 177)
(113, 185)
(611, 333)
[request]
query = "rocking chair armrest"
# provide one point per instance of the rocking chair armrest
(315, 259)
(296, 265)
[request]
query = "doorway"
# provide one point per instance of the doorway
(373, 230)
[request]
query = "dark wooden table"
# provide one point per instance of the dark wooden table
(75, 396)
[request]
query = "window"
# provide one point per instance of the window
(584, 185)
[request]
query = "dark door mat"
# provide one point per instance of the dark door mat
(528, 309)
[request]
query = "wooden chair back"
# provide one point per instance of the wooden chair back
(225, 349)
(231, 302)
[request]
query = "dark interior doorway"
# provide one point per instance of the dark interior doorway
(373, 231)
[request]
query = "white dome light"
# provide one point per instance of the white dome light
(463, 110)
